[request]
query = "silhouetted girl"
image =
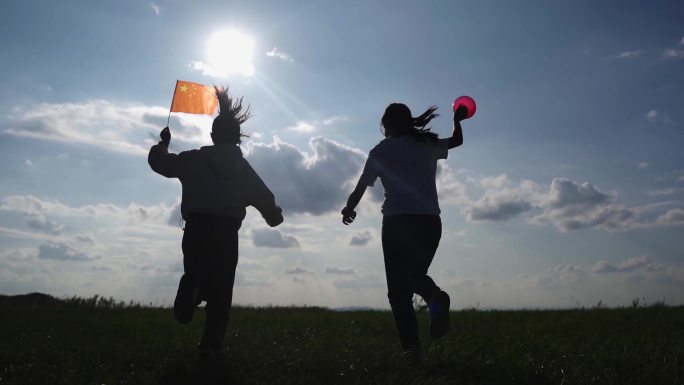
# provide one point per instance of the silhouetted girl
(406, 163)
(218, 183)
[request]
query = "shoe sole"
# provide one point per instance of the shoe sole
(185, 304)
(439, 322)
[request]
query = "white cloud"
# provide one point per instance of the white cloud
(570, 206)
(567, 205)
(674, 54)
(360, 281)
(277, 53)
(561, 275)
(99, 123)
(206, 69)
(21, 234)
(41, 223)
(267, 237)
(629, 54)
(498, 207)
(666, 191)
(334, 119)
(355, 279)
(339, 271)
(638, 276)
(361, 238)
(37, 209)
(450, 189)
(643, 165)
(681, 42)
(501, 200)
(307, 127)
(314, 182)
(29, 163)
(242, 280)
(628, 265)
(654, 116)
(565, 193)
(297, 270)
(307, 182)
(302, 127)
(63, 252)
(79, 247)
(175, 217)
(673, 216)
(156, 8)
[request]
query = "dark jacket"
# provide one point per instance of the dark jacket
(217, 180)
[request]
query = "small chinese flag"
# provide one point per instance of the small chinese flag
(194, 98)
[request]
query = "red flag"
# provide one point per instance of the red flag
(194, 98)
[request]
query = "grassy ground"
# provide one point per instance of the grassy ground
(54, 342)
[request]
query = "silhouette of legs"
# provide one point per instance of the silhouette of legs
(187, 299)
(210, 255)
(409, 243)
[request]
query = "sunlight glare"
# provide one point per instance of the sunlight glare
(230, 52)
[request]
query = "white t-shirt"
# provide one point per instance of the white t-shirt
(407, 170)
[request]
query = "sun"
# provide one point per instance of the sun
(230, 52)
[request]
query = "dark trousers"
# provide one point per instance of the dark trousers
(409, 243)
(210, 255)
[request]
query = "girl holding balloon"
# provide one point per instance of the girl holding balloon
(406, 163)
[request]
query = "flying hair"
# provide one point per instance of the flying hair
(397, 121)
(226, 126)
(231, 108)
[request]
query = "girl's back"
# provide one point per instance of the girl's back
(407, 169)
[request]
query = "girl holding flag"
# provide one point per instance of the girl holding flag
(218, 184)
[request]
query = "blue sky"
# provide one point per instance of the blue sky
(569, 188)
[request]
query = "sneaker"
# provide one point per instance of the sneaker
(439, 314)
(187, 299)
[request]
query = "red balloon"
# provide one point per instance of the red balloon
(468, 102)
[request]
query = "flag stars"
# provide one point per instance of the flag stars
(194, 98)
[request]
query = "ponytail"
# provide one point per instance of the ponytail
(397, 121)
(420, 131)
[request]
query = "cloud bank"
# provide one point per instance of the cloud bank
(315, 182)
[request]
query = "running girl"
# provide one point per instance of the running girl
(406, 163)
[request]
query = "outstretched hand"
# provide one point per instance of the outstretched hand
(348, 216)
(460, 113)
(165, 136)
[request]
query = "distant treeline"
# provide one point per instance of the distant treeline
(97, 301)
(46, 300)
(100, 302)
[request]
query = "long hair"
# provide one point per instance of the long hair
(226, 126)
(397, 121)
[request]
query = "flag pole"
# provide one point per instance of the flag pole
(174, 97)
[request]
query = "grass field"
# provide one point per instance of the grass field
(77, 341)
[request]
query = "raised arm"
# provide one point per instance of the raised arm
(160, 160)
(348, 213)
(456, 138)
